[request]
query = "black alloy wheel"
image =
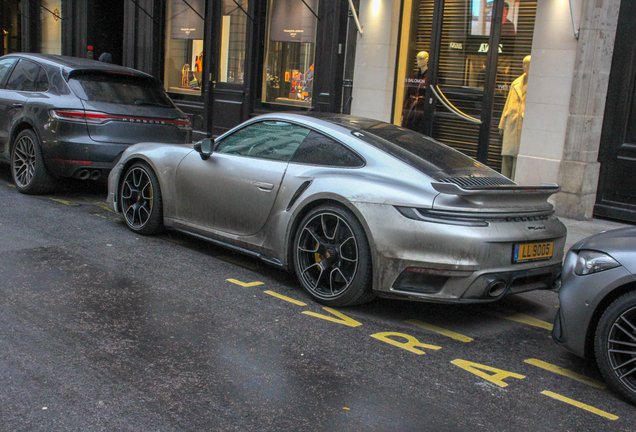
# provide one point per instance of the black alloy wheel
(140, 199)
(30, 176)
(332, 258)
(615, 346)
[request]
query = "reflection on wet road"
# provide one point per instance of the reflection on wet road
(106, 330)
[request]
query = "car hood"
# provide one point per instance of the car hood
(619, 243)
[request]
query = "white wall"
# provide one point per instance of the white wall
(376, 50)
(554, 49)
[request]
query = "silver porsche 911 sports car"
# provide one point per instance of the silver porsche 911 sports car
(356, 207)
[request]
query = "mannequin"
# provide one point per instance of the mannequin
(413, 110)
(512, 121)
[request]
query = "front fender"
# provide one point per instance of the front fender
(163, 159)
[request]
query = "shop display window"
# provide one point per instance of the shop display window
(288, 72)
(456, 105)
(481, 11)
(184, 46)
(233, 31)
(11, 18)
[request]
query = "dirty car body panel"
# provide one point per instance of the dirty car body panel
(439, 226)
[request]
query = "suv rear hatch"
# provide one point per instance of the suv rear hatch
(127, 108)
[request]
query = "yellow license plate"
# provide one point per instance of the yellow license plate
(532, 251)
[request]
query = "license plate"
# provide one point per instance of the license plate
(532, 251)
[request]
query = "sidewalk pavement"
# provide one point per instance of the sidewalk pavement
(578, 230)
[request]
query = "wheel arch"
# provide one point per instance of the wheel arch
(598, 312)
(17, 129)
(305, 209)
(130, 162)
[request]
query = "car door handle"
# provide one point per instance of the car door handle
(18, 105)
(263, 186)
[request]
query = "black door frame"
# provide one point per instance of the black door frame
(619, 109)
(489, 82)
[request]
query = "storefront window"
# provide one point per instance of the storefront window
(51, 27)
(233, 42)
(288, 72)
(454, 117)
(411, 86)
(11, 26)
(184, 46)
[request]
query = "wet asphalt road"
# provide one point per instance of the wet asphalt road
(105, 330)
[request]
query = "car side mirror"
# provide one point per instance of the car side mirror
(205, 148)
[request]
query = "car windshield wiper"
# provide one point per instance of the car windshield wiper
(148, 103)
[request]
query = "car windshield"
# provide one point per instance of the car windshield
(423, 153)
(118, 88)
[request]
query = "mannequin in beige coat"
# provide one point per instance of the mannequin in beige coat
(512, 121)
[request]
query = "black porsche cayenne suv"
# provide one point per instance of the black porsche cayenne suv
(71, 117)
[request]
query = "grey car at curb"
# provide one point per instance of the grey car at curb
(71, 117)
(357, 208)
(597, 315)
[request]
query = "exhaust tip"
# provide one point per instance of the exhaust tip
(496, 288)
(84, 174)
(96, 174)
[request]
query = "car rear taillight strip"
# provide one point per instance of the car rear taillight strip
(94, 117)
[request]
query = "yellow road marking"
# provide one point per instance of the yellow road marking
(580, 405)
(520, 318)
(61, 201)
(410, 344)
(342, 318)
(244, 284)
(99, 204)
(565, 372)
(287, 299)
(440, 330)
(497, 377)
(237, 262)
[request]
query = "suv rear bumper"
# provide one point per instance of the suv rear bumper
(72, 158)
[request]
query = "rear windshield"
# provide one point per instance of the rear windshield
(119, 89)
(426, 155)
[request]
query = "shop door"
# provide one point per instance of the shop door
(229, 74)
(467, 82)
(616, 194)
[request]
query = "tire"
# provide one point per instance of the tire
(615, 346)
(30, 176)
(332, 258)
(140, 200)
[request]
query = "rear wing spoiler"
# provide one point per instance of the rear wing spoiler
(494, 198)
(454, 189)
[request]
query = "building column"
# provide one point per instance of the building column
(579, 168)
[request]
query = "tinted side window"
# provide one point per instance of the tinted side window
(267, 140)
(317, 149)
(42, 83)
(23, 76)
(5, 67)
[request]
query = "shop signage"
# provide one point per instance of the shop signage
(186, 22)
(456, 45)
(483, 48)
(293, 21)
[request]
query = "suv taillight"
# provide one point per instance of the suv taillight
(98, 118)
